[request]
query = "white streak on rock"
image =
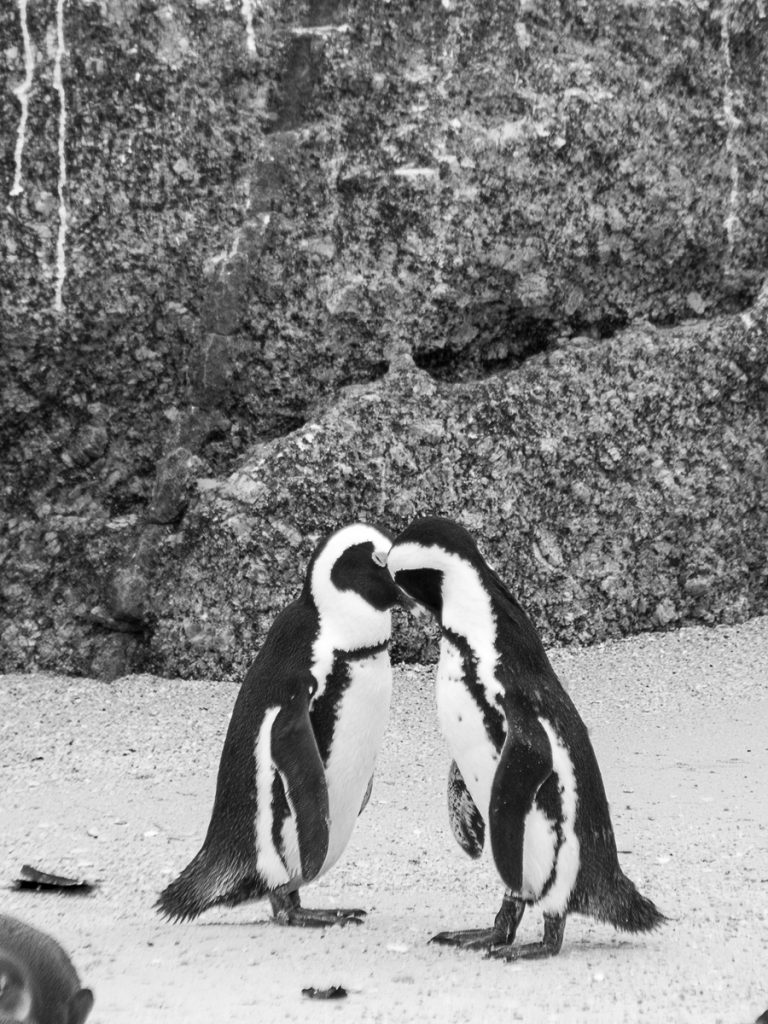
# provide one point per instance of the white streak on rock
(417, 173)
(732, 125)
(320, 30)
(22, 94)
(250, 38)
(58, 84)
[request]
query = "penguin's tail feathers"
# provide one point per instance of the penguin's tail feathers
(629, 910)
(209, 879)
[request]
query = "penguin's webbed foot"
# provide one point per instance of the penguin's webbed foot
(472, 938)
(501, 935)
(351, 913)
(306, 917)
(554, 928)
(287, 910)
(530, 951)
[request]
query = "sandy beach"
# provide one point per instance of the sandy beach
(114, 783)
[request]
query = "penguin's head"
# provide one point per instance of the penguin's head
(437, 563)
(353, 593)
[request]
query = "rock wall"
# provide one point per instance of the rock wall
(617, 487)
(219, 216)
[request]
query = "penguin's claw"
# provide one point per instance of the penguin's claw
(344, 915)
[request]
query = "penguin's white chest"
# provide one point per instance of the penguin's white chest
(550, 861)
(362, 716)
(463, 725)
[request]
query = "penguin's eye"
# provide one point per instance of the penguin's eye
(380, 558)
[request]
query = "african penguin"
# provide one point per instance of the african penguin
(38, 984)
(299, 754)
(523, 762)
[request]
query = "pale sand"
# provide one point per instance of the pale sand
(115, 783)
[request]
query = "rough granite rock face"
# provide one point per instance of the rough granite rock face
(218, 216)
(617, 487)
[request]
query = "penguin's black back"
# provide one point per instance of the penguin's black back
(285, 654)
(224, 869)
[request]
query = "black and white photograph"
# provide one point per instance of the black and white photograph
(384, 511)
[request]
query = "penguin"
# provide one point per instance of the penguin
(38, 984)
(297, 764)
(523, 764)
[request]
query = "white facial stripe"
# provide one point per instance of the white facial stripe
(568, 858)
(411, 556)
(467, 608)
(338, 543)
(347, 620)
(268, 861)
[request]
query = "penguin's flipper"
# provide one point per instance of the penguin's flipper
(525, 763)
(466, 821)
(296, 756)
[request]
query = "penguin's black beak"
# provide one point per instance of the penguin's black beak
(403, 599)
(407, 602)
(417, 610)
